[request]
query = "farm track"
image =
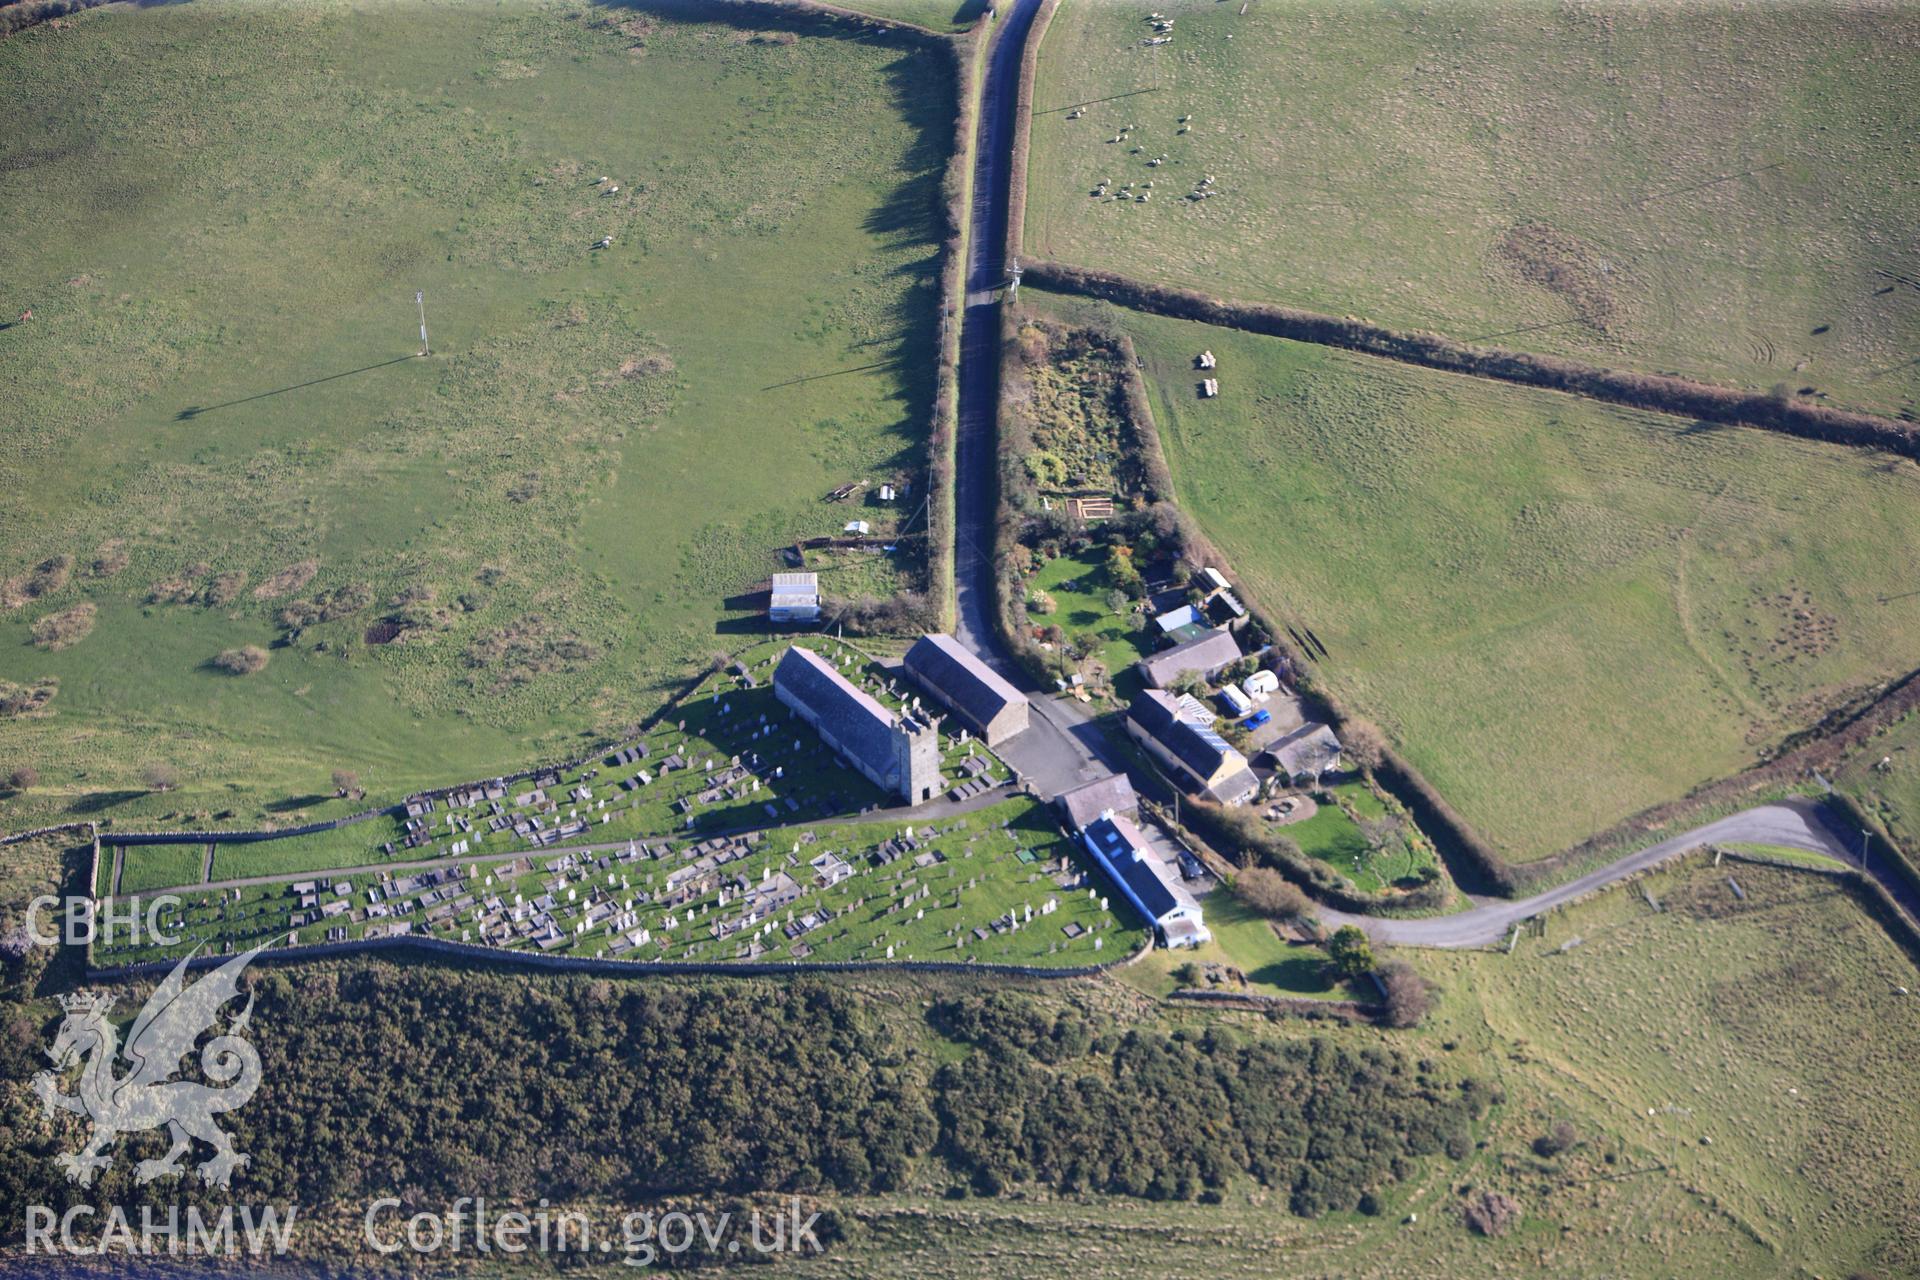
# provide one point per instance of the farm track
(1065, 742)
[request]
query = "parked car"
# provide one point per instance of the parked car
(1258, 718)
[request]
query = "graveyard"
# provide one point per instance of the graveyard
(997, 885)
(725, 758)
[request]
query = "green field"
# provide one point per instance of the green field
(561, 507)
(1721, 191)
(935, 15)
(1883, 774)
(1564, 613)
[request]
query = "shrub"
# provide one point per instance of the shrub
(1492, 1213)
(1350, 952)
(23, 778)
(1041, 603)
(1271, 894)
(244, 661)
(160, 777)
(1555, 1140)
(1408, 995)
(1187, 975)
(65, 628)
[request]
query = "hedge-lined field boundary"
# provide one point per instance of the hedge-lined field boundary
(1657, 392)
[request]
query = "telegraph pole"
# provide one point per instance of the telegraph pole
(420, 297)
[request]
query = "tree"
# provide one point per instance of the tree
(1117, 601)
(1271, 894)
(1366, 745)
(1351, 953)
(23, 778)
(160, 777)
(1408, 995)
(1121, 572)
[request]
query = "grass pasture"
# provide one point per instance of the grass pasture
(462, 564)
(1718, 191)
(1564, 613)
(1883, 774)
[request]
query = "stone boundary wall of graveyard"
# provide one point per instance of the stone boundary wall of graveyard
(671, 714)
(601, 965)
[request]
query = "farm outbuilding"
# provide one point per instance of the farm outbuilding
(1205, 654)
(1107, 796)
(795, 597)
(983, 701)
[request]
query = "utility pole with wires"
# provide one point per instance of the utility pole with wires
(420, 297)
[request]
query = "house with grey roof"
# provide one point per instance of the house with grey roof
(900, 754)
(1205, 655)
(984, 702)
(1084, 803)
(794, 597)
(1149, 886)
(1307, 753)
(1197, 757)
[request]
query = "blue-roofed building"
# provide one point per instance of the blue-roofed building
(1120, 851)
(900, 754)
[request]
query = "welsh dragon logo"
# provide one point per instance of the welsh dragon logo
(147, 1097)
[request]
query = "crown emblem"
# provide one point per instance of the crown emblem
(86, 1002)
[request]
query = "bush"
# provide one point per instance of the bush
(1555, 1140)
(160, 777)
(1271, 894)
(1350, 952)
(23, 778)
(1408, 996)
(1187, 975)
(244, 661)
(65, 628)
(1041, 603)
(1492, 1213)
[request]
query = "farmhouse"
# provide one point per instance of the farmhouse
(1307, 753)
(984, 702)
(1121, 851)
(1204, 655)
(901, 755)
(1198, 757)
